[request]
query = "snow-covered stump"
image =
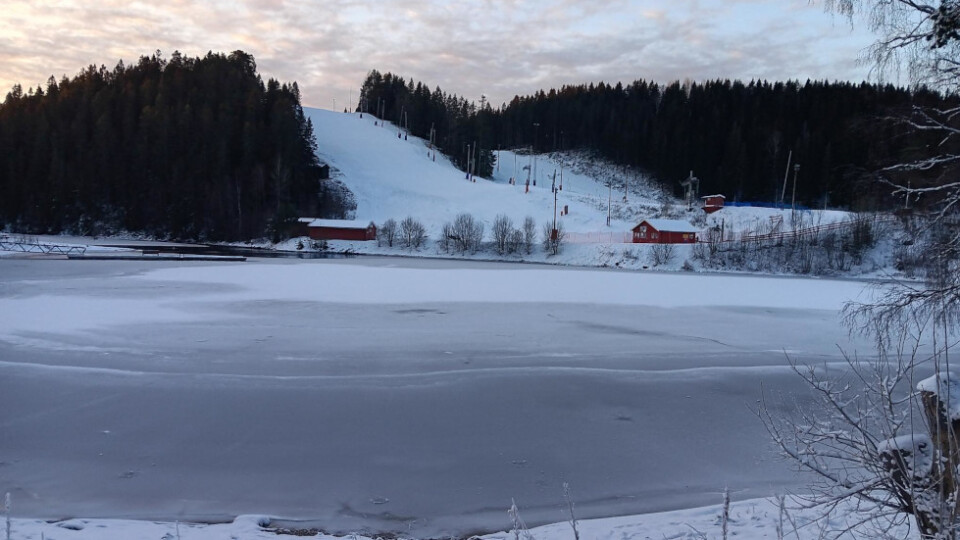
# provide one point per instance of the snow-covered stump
(940, 396)
(924, 468)
(908, 459)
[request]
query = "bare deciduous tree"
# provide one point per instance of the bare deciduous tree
(878, 436)
(515, 242)
(465, 233)
(529, 234)
(446, 237)
(412, 233)
(661, 254)
(885, 434)
(502, 230)
(387, 233)
(917, 39)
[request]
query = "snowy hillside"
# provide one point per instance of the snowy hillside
(393, 177)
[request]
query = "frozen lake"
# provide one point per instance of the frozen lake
(392, 394)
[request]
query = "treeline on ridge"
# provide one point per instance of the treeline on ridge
(735, 137)
(459, 125)
(189, 148)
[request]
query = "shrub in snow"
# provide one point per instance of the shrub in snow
(699, 219)
(529, 234)
(515, 242)
(502, 230)
(805, 247)
(465, 233)
(860, 236)
(553, 240)
(412, 233)
(387, 233)
(520, 529)
(661, 254)
(446, 238)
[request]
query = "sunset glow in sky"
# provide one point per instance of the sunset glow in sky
(496, 48)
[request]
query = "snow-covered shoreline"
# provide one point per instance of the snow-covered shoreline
(753, 519)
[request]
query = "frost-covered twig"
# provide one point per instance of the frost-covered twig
(725, 516)
(573, 518)
(519, 527)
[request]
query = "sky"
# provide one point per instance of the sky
(474, 48)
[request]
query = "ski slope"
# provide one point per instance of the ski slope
(393, 177)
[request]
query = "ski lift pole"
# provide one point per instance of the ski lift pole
(609, 202)
(786, 177)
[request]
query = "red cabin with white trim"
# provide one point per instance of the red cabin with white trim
(342, 229)
(664, 231)
(712, 203)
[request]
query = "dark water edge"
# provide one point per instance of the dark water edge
(238, 251)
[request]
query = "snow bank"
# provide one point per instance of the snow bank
(755, 519)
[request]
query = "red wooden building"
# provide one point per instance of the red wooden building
(341, 229)
(712, 203)
(664, 231)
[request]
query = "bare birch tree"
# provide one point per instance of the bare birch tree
(502, 230)
(883, 439)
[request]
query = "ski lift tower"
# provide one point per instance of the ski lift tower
(691, 187)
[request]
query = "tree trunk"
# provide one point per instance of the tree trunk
(946, 452)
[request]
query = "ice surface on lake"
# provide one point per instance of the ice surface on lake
(394, 395)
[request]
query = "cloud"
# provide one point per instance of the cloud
(471, 47)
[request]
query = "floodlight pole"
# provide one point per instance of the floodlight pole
(609, 202)
(786, 178)
(793, 198)
(536, 134)
(554, 206)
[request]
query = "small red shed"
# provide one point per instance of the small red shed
(342, 229)
(664, 231)
(712, 203)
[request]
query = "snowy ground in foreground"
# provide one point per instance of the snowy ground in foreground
(754, 519)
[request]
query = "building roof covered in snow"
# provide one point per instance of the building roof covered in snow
(341, 223)
(670, 225)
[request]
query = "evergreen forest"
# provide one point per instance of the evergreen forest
(203, 149)
(736, 138)
(185, 148)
